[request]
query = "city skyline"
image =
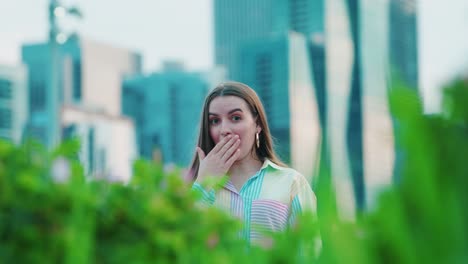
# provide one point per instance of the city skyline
(145, 31)
(443, 48)
(322, 72)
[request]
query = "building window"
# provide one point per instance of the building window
(5, 118)
(263, 79)
(298, 16)
(38, 96)
(174, 117)
(77, 80)
(69, 131)
(101, 166)
(5, 89)
(91, 150)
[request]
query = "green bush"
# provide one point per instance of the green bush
(50, 218)
(152, 219)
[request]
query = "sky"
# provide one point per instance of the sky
(183, 30)
(443, 47)
(158, 29)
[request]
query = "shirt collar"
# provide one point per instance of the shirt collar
(269, 163)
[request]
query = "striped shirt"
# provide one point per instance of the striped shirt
(270, 200)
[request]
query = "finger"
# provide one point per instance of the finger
(233, 158)
(234, 146)
(226, 146)
(201, 154)
(221, 144)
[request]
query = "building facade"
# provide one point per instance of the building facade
(360, 126)
(166, 107)
(89, 76)
(403, 41)
(236, 22)
(403, 50)
(278, 69)
(13, 102)
(354, 48)
(237, 25)
(108, 147)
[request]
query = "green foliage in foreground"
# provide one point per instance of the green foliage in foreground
(46, 217)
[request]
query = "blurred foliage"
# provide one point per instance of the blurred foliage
(46, 217)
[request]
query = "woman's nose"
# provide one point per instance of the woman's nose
(225, 129)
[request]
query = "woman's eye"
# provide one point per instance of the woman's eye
(214, 121)
(236, 118)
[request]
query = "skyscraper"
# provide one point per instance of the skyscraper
(403, 41)
(13, 102)
(403, 54)
(354, 127)
(246, 20)
(239, 24)
(360, 128)
(278, 69)
(377, 127)
(236, 22)
(89, 77)
(166, 107)
(349, 54)
(339, 69)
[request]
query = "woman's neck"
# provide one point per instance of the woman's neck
(243, 169)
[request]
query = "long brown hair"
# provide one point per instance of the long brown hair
(205, 142)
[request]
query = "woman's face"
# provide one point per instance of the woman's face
(231, 115)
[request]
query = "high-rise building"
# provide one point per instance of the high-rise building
(246, 20)
(241, 23)
(308, 18)
(89, 72)
(403, 52)
(403, 41)
(360, 129)
(166, 107)
(350, 50)
(108, 141)
(13, 102)
(236, 22)
(354, 127)
(379, 151)
(89, 77)
(339, 57)
(278, 69)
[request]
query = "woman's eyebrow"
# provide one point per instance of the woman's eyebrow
(230, 112)
(235, 110)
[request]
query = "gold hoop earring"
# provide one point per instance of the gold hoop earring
(257, 140)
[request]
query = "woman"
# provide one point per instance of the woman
(235, 140)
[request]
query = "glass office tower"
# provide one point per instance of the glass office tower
(279, 70)
(166, 107)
